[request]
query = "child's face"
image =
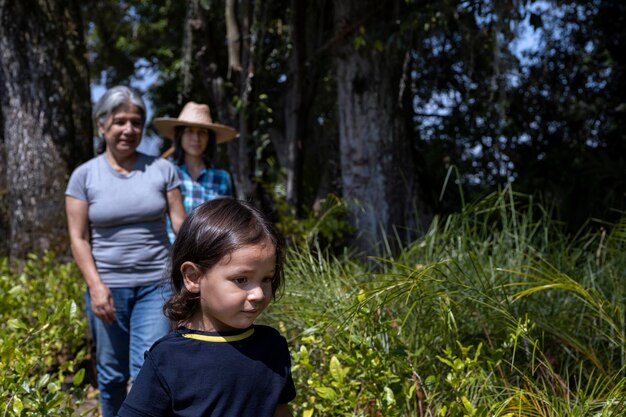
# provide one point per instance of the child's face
(235, 291)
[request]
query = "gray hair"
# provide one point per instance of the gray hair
(115, 97)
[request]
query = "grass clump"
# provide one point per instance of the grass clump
(493, 312)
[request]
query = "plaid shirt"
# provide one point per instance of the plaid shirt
(211, 184)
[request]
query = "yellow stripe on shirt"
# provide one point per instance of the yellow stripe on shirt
(220, 339)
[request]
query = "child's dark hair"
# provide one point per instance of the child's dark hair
(213, 230)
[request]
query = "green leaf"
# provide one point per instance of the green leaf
(359, 41)
(55, 401)
(389, 397)
(43, 381)
(16, 324)
(468, 405)
(446, 361)
(336, 370)
(327, 393)
(16, 290)
(78, 378)
(72, 310)
(42, 316)
(304, 355)
(17, 405)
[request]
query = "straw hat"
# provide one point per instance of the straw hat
(194, 115)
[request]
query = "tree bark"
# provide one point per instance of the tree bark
(232, 37)
(198, 56)
(304, 159)
(4, 201)
(295, 114)
(377, 166)
(241, 161)
(189, 30)
(46, 112)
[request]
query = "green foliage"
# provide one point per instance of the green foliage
(465, 374)
(326, 227)
(126, 38)
(494, 312)
(42, 329)
(359, 373)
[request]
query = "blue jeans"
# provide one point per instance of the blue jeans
(120, 346)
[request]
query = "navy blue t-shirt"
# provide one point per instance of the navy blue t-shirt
(227, 374)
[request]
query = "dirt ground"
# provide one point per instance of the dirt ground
(89, 408)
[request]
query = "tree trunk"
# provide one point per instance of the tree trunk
(232, 37)
(46, 112)
(241, 161)
(4, 201)
(189, 30)
(198, 57)
(295, 115)
(377, 166)
(301, 156)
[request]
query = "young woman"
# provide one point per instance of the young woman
(195, 139)
(226, 268)
(116, 205)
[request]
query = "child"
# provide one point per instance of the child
(226, 267)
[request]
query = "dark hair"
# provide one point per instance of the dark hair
(113, 98)
(208, 157)
(212, 231)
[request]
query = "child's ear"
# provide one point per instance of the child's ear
(191, 276)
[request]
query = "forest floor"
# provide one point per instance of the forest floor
(89, 408)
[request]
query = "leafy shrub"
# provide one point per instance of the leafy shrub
(42, 328)
(361, 372)
(325, 227)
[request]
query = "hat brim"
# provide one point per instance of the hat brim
(166, 126)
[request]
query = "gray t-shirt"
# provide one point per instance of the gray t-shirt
(127, 217)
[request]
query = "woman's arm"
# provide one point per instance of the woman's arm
(282, 410)
(175, 209)
(78, 227)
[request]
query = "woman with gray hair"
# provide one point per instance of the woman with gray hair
(116, 205)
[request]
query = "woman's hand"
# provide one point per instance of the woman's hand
(102, 303)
